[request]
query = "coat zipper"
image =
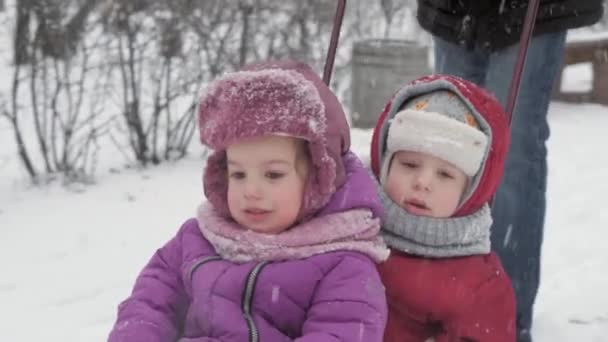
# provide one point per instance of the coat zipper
(248, 299)
(201, 262)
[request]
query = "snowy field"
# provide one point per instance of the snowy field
(70, 255)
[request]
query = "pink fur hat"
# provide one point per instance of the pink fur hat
(274, 98)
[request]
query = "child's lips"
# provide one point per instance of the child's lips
(256, 214)
(416, 207)
(417, 203)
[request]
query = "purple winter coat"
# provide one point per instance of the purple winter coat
(188, 293)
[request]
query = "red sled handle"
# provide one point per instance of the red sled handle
(524, 42)
(333, 42)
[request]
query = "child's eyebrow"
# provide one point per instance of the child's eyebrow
(276, 161)
(266, 162)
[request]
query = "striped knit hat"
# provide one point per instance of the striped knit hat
(438, 123)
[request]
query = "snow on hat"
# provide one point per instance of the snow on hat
(275, 98)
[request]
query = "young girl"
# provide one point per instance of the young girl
(438, 150)
(285, 249)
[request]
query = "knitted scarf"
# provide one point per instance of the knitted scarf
(353, 230)
(436, 237)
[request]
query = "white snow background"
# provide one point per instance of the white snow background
(69, 255)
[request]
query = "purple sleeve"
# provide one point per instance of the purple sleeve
(155, 310)
(358, 191)
(349, 304)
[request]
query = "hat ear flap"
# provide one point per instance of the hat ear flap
(215, 182)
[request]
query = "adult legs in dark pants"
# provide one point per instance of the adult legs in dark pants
(519, 206)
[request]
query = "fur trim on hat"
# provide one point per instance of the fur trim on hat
(438, 135)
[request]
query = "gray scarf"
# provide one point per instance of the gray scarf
(435, 237)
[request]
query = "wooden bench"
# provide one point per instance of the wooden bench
(588, 51)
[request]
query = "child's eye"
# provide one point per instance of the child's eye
(274, 175)
(237, 175)
(445, 175)
(409, 164)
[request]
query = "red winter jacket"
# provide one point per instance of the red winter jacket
(451, 300)
(456, 299)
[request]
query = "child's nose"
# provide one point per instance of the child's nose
(423, 180)
(252, 190)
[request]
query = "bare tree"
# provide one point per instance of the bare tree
(56, 87)
(391, 9)
(162, 63)
(57, 34)
(297, 29)
(245, 9)
(213, 26)
(13, 116)
(21, 43)
(388, 11)
(138, 78)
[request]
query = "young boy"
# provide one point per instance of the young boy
(438, 151)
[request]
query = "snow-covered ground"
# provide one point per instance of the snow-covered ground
(68, 256)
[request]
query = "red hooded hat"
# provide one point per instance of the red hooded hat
(487, 113)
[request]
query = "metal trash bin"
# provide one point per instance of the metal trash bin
(379, 67)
